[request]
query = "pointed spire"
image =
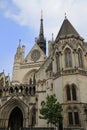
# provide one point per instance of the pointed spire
(19, 43)
(41, 35)
(65, 16)
(41, 14)
(41, 41)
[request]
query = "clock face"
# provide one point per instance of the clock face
(35, 55)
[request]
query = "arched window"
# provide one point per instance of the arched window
(68, 58)
(71, 92)
(73, 117)
(30, 81)
(57, 62)
(33, 116)
(34, 80)
(76, 117)
(0, 93)
(16, 89)
(68, 92)
(70, 118)
(80, 60)
(26, 90)
(11, 90)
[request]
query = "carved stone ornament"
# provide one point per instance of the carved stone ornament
(35, 55)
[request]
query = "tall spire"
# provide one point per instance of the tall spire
(41, 34)
(41, 40)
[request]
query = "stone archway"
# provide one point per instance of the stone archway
(15, 119)
(12, 107)
(29, 75)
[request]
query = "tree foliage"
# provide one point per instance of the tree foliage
(52, 111)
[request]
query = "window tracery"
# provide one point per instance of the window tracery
(68, 58)
(33, 116)
(80, 59)
(73, 117)
(58, 61)
(71, 93)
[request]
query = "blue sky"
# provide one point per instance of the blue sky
(20, 19)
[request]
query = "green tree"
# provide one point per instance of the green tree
(52, 111)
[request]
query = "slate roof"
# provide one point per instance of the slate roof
(67, 29)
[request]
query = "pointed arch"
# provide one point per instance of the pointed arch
(33, 115)
(15, 122)
(1, 93)
(73, 116)
(71, 92)
(68, 58)
(57, 61)
(74, 94)
(80, 58)
(68, 92)
(29, 76)
(9, 106)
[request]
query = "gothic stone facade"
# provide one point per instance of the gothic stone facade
(63, 72)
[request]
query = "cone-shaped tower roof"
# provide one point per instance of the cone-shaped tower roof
(67, 29)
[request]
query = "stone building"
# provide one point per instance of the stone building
(63, 72)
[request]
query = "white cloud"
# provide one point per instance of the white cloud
(27, 13)
(3, 4)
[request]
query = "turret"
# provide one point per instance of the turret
(41, 41)
(18, 59)
(50, 46)
(19, 56)
(23, 52)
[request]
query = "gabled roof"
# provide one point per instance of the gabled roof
(28, 58)
(67, 30)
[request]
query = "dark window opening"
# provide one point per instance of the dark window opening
(68, 93)
(73, 92)
(80, 60)
(57, 62)
(15, 119)
(70, 117)
(76, 118)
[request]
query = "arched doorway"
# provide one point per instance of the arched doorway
(15, 119)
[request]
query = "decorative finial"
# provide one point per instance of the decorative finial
(35, 39)
(52, 37)
(19, 42)
(65, 15)
(41, 14)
